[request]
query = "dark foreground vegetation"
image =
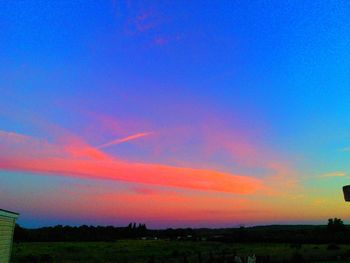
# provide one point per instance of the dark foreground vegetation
(334, 232)
(159, 251)
(136, 243)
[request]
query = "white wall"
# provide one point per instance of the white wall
(7, 225)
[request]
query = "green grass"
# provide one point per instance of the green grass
(127, 251)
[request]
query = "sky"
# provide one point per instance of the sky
(174, 113)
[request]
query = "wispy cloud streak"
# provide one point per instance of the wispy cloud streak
(126, 139)
(334, 174)
(346, 149)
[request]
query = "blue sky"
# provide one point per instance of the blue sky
(259, 90)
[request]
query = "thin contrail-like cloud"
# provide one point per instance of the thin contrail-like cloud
(121, 140)
(334, 174)
(346, 149)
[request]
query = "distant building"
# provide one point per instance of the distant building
(7, 226)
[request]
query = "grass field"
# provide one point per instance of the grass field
(127, 251)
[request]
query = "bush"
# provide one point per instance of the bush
(297, 257)
(30, 259)
(332, 247)
(347, 253)
(46, 258)
(295, 245)
(175, 253)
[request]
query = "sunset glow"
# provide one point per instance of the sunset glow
(174, 113)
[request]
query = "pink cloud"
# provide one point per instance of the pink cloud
(88, 162)
(167, 206)
(145, 22)
(164, 40)
(184, 206)
(160, 41)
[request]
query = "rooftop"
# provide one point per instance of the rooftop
(8, 213)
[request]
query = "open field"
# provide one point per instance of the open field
(127, 251)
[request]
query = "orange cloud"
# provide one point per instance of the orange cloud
(62, 160)
(181, 206)
(177, 207)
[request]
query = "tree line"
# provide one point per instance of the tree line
(80, 233)
(334, 232)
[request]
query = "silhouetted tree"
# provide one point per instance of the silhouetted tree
(335, 225)
(151, 259)
(20, 234)
(185, 259)
(211, 257)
